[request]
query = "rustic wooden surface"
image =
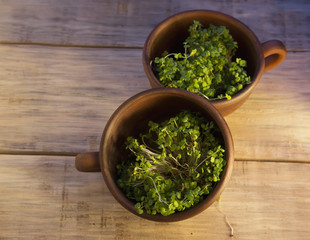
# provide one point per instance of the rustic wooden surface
(46, 198)
(65, 66)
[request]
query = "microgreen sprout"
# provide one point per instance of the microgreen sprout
(174, 165)
(207, 66)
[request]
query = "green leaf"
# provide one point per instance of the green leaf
(193, 52)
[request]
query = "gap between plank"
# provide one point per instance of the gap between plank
(73, 45)
(73, 154)
(38, 153)
(100, 46)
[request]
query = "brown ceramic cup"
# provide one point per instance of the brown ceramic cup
(130, 119)
(172, 32)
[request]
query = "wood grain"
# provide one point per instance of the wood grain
(44, 197)
(66, 66)
(59, 100)
(274, 123)
(128, 22)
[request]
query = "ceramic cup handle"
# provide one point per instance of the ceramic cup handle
(87, 162)
(274, 53)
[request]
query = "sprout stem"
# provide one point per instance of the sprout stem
(159, 197)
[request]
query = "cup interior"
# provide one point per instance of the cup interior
(132, 117)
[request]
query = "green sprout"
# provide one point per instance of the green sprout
(174, 165)
(207, 66)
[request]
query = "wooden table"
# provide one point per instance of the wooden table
(65, 66)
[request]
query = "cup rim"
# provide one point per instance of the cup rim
(214, 115)
(177, 17)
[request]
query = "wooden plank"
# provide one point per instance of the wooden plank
(274, 122)
(128, 22)
(59, 100)
(44, 197)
